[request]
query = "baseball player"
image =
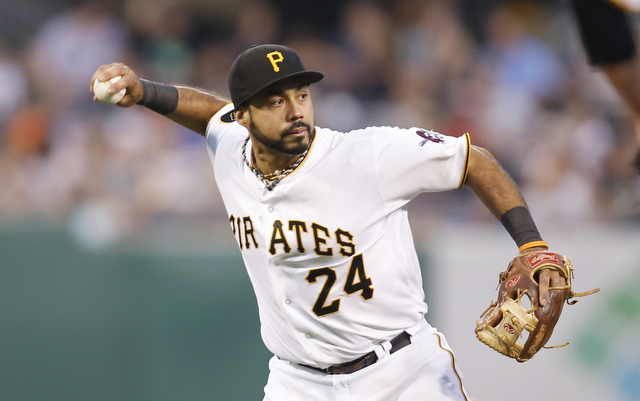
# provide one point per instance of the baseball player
(320, 218)
(609, 41)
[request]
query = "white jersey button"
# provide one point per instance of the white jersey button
(270, 208)
(308, 335)
(287, 301)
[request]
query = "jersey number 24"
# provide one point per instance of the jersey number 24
(357, 280)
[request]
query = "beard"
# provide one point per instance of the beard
(280, 145)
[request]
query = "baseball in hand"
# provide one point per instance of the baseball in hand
(100, 90)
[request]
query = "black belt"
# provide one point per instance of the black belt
(400, 341)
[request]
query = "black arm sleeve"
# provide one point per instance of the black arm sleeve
(606, 32)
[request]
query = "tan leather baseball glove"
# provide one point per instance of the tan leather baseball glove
(505, 321)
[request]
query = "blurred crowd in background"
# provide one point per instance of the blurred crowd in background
(511, 73)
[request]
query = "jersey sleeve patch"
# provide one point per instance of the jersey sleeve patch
(429, 136)
(229, 117)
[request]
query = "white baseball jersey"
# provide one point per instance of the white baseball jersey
(329, 250)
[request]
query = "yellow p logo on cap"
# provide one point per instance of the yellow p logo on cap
(275, 58)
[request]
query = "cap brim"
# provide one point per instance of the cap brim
(310, 76)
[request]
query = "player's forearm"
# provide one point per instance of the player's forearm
(491, 183)
(195, 107)
(495, 188)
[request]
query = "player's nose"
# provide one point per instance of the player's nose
(295, 111)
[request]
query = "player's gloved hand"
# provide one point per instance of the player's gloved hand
(129, 80)
(544, 278)
(548, 278)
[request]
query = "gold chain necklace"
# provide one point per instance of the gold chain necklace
(272, 179)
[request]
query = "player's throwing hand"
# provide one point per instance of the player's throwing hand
(129, 81)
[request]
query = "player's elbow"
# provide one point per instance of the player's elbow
(481, 163)
(480, 153)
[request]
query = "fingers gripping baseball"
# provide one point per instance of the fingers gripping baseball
(128, 81)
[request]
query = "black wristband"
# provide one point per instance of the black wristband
(606, 32)
(161, 98)
(520, 225)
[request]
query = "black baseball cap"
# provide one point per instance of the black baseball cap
(262, 65)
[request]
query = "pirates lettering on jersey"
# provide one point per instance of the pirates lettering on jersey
(345, 239)
(242, 228)
(285, 236)
(321, 237)
(320, 234)
(294, 234)
(278, 238)
(298, 226)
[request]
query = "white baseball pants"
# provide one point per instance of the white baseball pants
(424, 370)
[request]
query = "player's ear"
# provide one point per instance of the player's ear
(243, 117)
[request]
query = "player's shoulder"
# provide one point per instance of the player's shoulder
(358, 134)
(225, 121)
(387, 137)
(330, 138)
(225, 116)
(383, 133)
(223, 124)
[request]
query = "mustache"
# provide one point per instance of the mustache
(297, 124)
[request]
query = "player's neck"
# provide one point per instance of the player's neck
(268, 160)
